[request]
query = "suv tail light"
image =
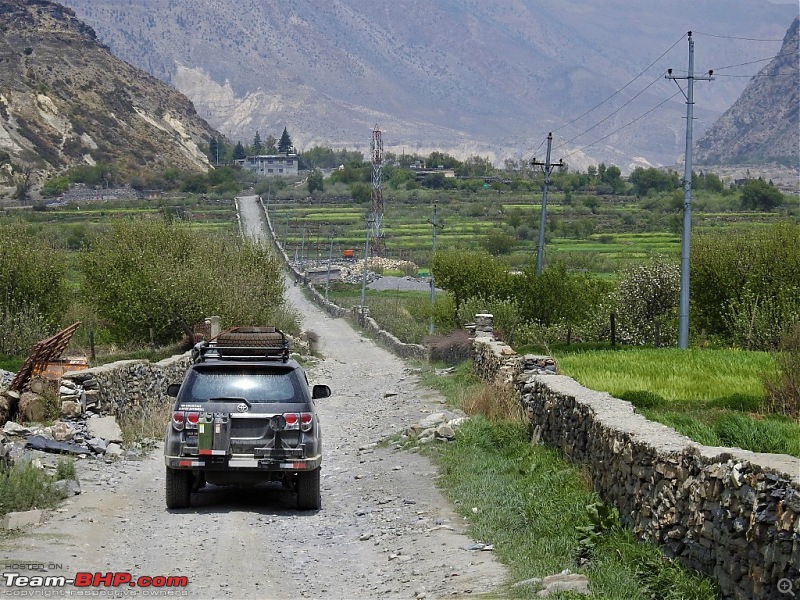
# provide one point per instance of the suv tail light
(178, 420)
(192, 418)
(292, 420)
(188, 420)
(306, 421)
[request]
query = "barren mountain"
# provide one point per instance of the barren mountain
(464, 76)
(65, 100)
(764, 124)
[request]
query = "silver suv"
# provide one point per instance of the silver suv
(244, 415)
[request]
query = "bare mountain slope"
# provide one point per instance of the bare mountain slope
(467, 76)
(65, 100)
(764, 123)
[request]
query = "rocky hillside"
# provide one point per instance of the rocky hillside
(65, 100)
(763, 125)
(464, 76)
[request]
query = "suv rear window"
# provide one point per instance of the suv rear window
(255, 385)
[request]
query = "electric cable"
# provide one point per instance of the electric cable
(659, 105)
(649, 85)
(623, 87)
(733, 37)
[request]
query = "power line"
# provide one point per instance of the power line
(733, 37)
(660, 75)
(622, 88)
(629, 123)
(752, 62)
(776, 75)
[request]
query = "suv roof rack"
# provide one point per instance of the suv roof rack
(244, 343)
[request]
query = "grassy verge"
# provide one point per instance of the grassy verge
(714, 397)
(529, 502)
(26, 486)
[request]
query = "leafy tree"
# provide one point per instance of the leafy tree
(361, 192)
(239, 152)
(144, 276)
(441, 159)
(269, 147)
(55, 186)
(557, 296)
(285, 143)
(476, 166)
(469, 275)
(498, 243)
(315, 181)
(647, 304)
(757, 194)
(32, 274)
(645, 180)
(746, 283)
(258, 147)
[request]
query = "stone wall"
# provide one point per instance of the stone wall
(134, 385)
(729, 513)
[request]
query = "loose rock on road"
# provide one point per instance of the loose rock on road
(384, 530)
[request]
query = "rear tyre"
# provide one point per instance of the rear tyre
(179, 488)
(308, 493)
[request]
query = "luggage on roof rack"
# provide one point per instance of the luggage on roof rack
(244, 343)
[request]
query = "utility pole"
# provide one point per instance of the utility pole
(547, 168)
(683, 318)
(363, 307)
(433, 286)
(302, 251)
(328, 278)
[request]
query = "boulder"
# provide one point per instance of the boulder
(106, 428)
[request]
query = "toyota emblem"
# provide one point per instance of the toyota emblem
(242, 407)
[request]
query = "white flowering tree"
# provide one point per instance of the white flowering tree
(648, 301)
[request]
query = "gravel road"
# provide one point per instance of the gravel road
(384, 530)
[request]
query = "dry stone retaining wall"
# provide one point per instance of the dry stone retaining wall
(134, 385)
(729, 513)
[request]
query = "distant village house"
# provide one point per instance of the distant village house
(270, 165)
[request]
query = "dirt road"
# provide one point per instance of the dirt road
(384, 530)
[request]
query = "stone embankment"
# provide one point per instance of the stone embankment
(729, 513)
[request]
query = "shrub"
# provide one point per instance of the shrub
(496, 403)
(26, 486)
(20, 329)
(452, 349)
(783, 387)
(746, 283)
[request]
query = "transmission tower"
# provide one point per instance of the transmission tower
(376, 214)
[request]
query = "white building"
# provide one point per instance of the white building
(270, 165)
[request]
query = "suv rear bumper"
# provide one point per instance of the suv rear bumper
(243, 463)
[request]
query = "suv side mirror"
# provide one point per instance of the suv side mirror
(320, 391)
(172, 390)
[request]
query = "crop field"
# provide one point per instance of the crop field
(72, 220)
(408, 233)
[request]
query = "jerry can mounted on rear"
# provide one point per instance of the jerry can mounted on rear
(214, 434)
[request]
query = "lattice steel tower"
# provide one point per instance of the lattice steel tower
(376, 215)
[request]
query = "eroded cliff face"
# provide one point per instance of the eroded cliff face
(764, 124)
(65, 100)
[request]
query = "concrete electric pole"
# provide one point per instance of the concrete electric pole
(433, 285)
(547, 168)
(683, 319)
